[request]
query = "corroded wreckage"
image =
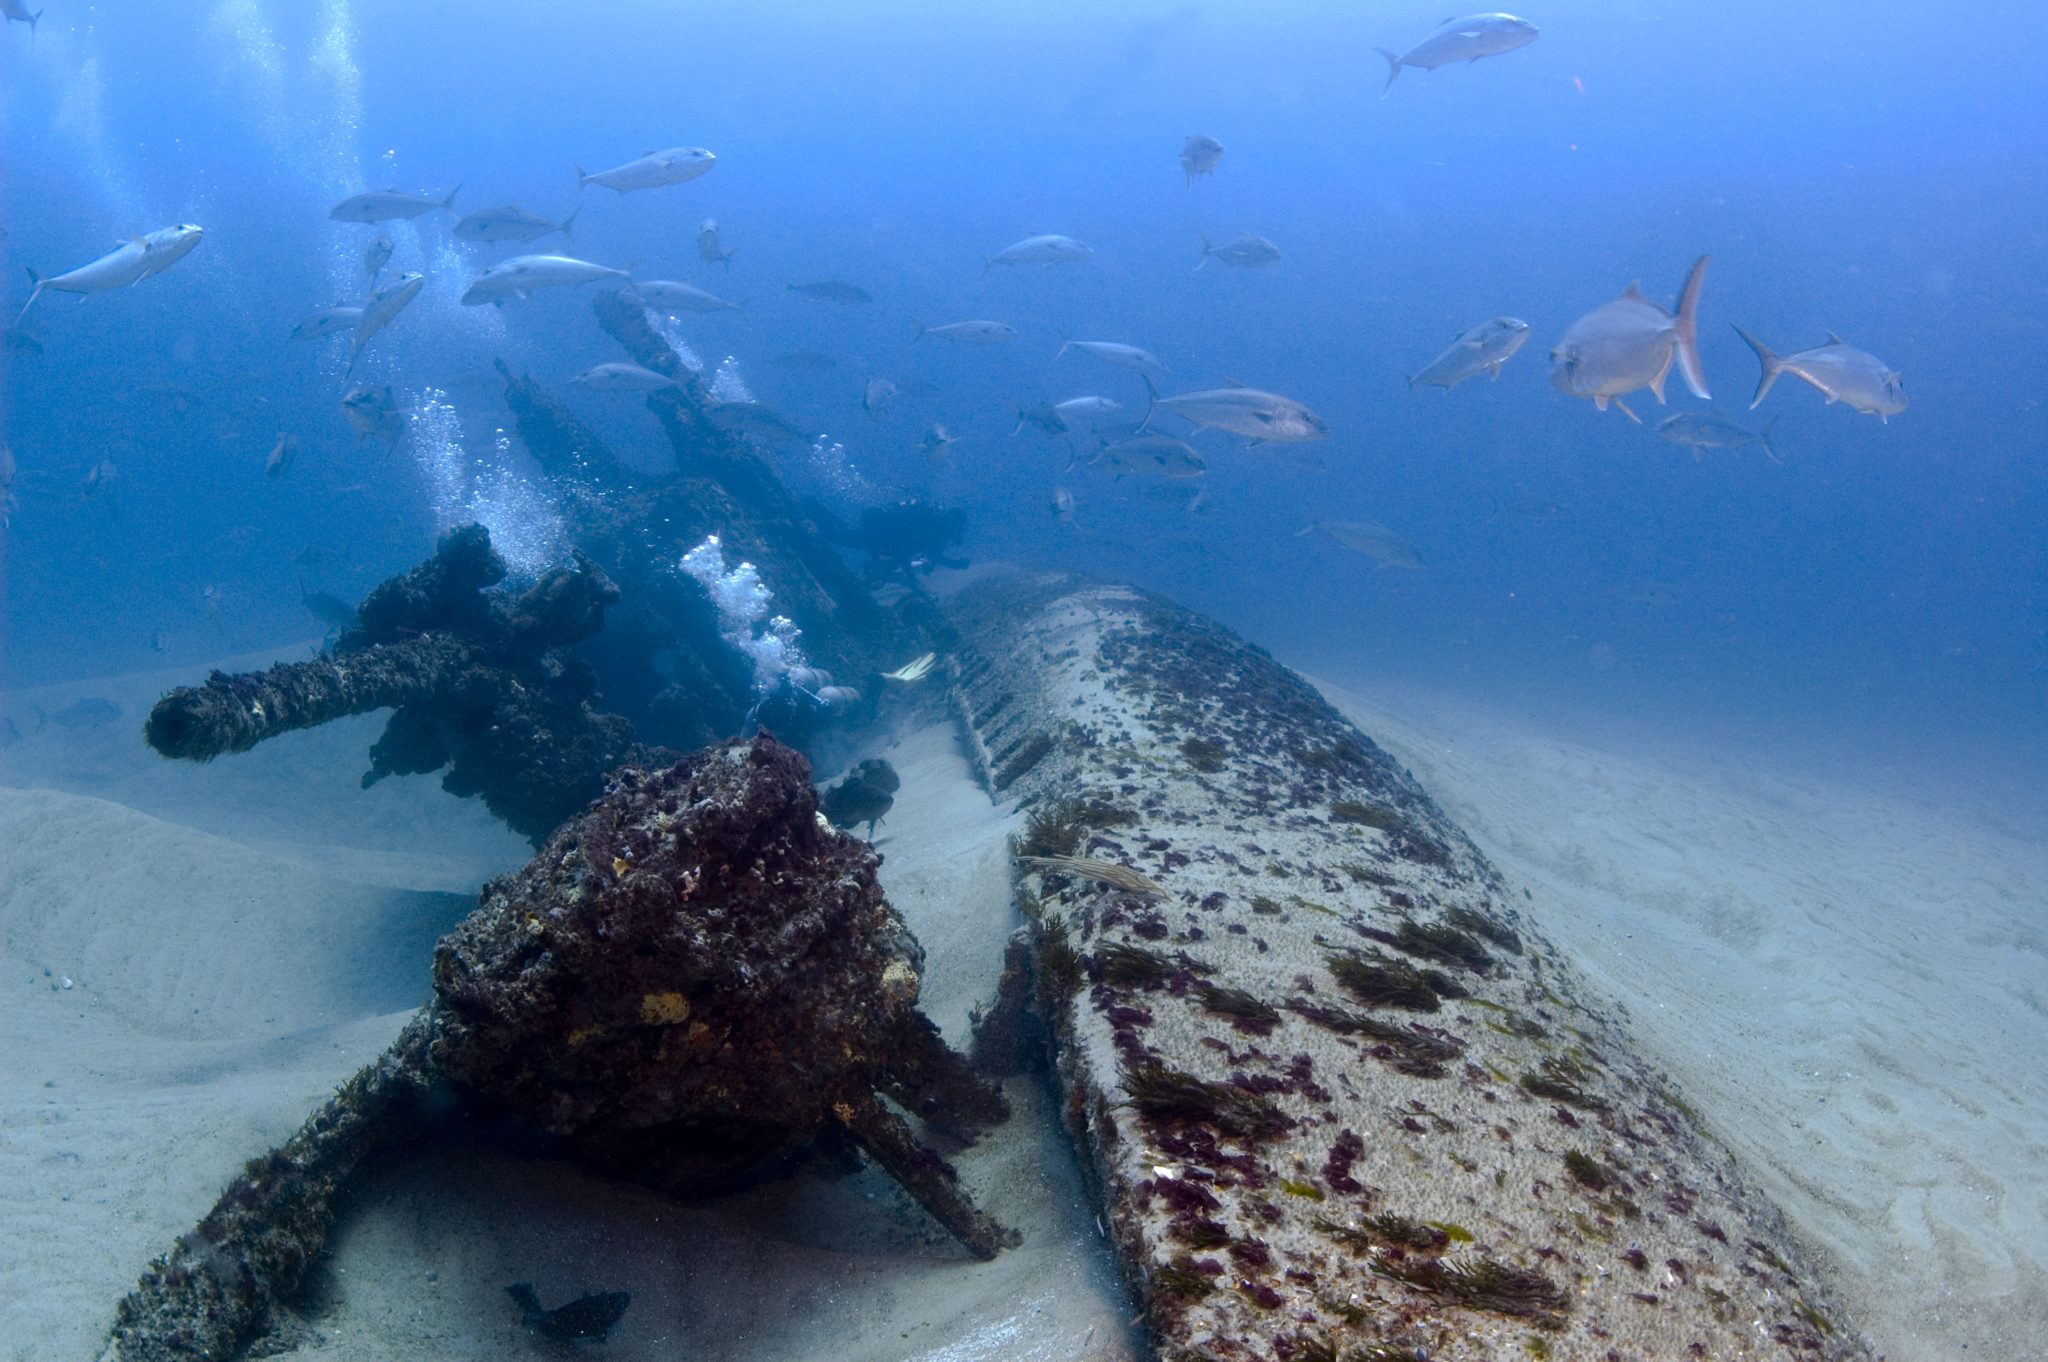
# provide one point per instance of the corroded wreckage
(688, 985)
(1337, 1095)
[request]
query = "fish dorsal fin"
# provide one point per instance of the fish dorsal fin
(1634, 290)
(391, 189)
(647, 151)
(1232, 383)
(1833, 339)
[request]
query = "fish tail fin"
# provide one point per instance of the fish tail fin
(1772, 366)
(1764, 438)
(567, 225)
(522, 1296)
(922, 331)
(1151, 401)
(1065, 345)
(987, 264)
(1309, 528)
(1411, 379)
(1207, 251)
(582, 178)
(33, 20)
(1686, 331)
(449, 202)
(1393, 69)
(33, 294)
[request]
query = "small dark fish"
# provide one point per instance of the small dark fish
(89, 713)
(833, 291)
(585, 1319)
(867, 793)
(1199, 155)
(803, 359)
(159, 641)
(281, 456)
(330, 610)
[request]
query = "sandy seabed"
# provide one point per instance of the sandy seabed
(1850, 984)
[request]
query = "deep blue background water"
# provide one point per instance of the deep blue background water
(1879, 170)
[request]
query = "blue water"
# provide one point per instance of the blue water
(1878, 170)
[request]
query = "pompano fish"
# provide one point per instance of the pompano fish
(371, 411)
(1261, 416)
(1199, 155)
(755, 419)
(876, 395)
(376, 255)
(281, 456)
(1481, 350)
(1467, 39)
(1376, 542)
(652, 170)
(1843, 374)
(384, 305)
(832, 291)
(670, 295)
(622, 378)
(522, 274)
(387, 205)
(131, 262)
(1245, 250)
(328, 321)
(14, 9)
(1629, 344)
(1039, 250)
(1698, 430)
(968, 333)
(511, 223)
(1155, 455)
(708, 249)
(1117, 353)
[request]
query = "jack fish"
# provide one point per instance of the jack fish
(1260, 416)
(1156, 455)
(1117, 353)
(669, 295)
(1245, 250)
(133, 261)
(386, 205)
(708, 249)
(369, 408)
(1376, 542)
(384, 305)
(1482, 350)
(968, 333)
(1698, 430)
(1467, 39)
(522, 274)
(328, 321)
(1039, 250)
(653, 170)
(1199, 155)
(622, 378)
(511, 223)
(376, 255)
(1628, 344)
(1843, 374)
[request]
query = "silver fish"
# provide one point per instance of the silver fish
(376, 255)
(511, 223)
(1246, 249)
(1628, 344)
(1156, 455)
(369, 408)
(1062, 505)
(384, 305)
(1376, 542)
(708, 249)
(968, 333)
(281, 456)
(1199, 156)
(938, 442)
(387, 205)
(1261, 416)
(1843, 374)
(652, 170)
(832, 291)
(1117, 353)
(754, 419)
(1481, 350)
(328, 321)
(1039, 250)
(1467, 39)
(522, 274)
(1698, 430)
(876, 396)
(622, 378)
(1044, 416)
(670, 295)
(131, 262)
(1089, 410)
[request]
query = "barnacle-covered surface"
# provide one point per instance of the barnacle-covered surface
(1338, 1095)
